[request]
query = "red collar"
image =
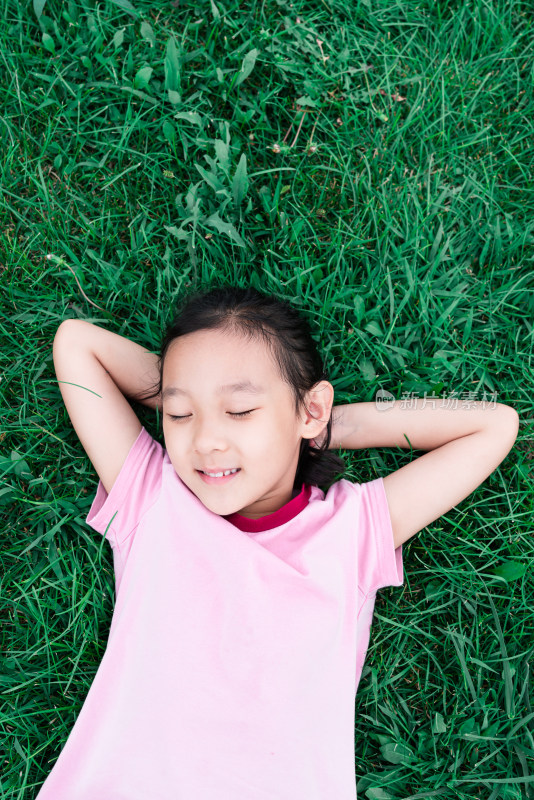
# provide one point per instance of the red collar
(284, 514)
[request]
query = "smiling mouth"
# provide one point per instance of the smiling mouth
(218, 478)
(219, 473)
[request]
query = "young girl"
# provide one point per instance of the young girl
(244, 593)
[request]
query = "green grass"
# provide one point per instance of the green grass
(382, 179)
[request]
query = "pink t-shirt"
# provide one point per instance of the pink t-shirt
(236, 645)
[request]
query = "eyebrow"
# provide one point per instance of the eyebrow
(241, 386)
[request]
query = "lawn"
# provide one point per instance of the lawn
(371, 161)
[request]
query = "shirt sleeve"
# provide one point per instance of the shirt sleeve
(376, 550)
(136, 488)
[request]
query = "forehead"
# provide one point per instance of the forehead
(219, 360)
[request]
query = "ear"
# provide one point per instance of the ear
(318, 407)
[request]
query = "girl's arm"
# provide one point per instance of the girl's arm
(466, 445)
(96, 371)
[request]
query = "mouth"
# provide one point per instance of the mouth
(218, 478)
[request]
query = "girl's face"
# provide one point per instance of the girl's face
(204, 377)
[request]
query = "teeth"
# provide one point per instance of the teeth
(220, 474)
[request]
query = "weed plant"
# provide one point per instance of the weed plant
(370, 160)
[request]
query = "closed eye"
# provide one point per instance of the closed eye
(232, 414)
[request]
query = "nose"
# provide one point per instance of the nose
(207, 436)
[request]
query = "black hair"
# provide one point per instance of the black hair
(287, 333)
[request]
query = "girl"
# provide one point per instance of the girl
(244, 593)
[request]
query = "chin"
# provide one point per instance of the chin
(220, 508)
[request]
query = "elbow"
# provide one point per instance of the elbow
(66, 328)
(63, 335)
(515, 422)
(70, 330)
(64, 331)
(508, 422)
(69, 336)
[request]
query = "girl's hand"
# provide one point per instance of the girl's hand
(335, 441)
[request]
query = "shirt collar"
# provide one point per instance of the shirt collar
(284, 514)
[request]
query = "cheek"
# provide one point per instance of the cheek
(282, 436)
(173, 442)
